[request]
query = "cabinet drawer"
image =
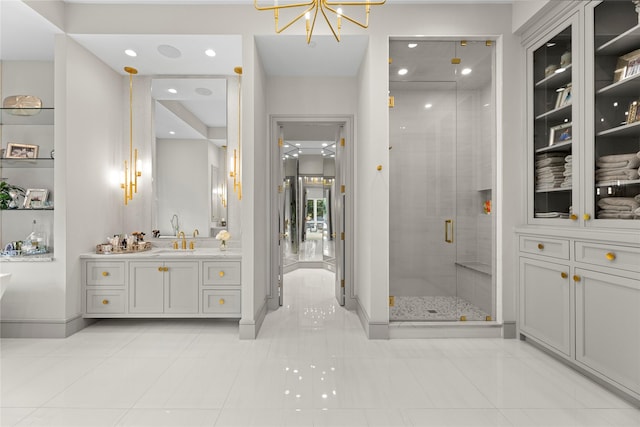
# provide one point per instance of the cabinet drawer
(622, 257)
(557, 248)
(221, 302)
(107, 302)
(105, 273)
(221, 273)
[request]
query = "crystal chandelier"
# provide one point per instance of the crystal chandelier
(310, 13)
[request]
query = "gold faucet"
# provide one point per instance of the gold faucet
(196, 233)
(184, 239)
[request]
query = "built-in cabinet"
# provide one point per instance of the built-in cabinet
(156, 286)
(579, 250)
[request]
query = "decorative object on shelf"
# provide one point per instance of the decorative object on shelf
(223, 236)
(628, 65)
(560, 133)
(35, 198)
(564, 97)
(108, 248)
(131, 170)
(22, 105)
(21, 151)
(565, 59)
(52, 154)
(9, 194)
(312, 6)
(633, 113)
(36, 241)
(550, 69)
(486, 206)
(155, 233)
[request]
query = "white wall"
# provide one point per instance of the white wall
(524, 10)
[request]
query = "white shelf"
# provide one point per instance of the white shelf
(618, 183)
(554, 190)
(625, 130)
(562, 147)
(624, 87)
(555, 113)
(556, 80)
(624, 43)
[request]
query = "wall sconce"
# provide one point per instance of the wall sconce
(236, 174)
(132, 169)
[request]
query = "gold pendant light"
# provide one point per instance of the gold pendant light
(312, 7)
(131, 172)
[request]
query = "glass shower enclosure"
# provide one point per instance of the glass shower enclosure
(442, 169)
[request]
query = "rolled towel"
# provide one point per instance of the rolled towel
(611, 202)
(631, 160)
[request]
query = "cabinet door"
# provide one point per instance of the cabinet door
(545, 303)
(553, 125)
(608, 326)
(613, 138)
(146, 290)
(181, 284)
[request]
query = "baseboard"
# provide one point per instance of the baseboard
(249, 329)
(404, 330)
(38, 328)
(373, 330)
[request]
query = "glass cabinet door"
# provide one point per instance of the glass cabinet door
(615, 162)
(553, 128)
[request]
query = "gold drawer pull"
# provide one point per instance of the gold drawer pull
(105, 301)
(166, 269)
(540, 246)
(576, 278)
(586, 217)
(221, 274)
(221, 302)
(610, 256)
(573, 217)
(161, 269)
(105, 273)
(564, 275)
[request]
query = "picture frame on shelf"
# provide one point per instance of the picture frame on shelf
(627, 66)
(559, 134)
(564, 97)
(21, 151)
(35, 198)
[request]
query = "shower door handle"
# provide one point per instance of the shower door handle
(448, 224)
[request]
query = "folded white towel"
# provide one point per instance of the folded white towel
(605, 174)
(569, 158)
(614, 203)
(550, 161)
(631, 160)
(616, 215)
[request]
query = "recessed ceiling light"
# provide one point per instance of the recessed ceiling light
(412, 45)
(298, 144)
(428, 105)
(171, 132)
(130, 52)
(403, 71)
(203, 91)
(210, 52)
(466, 71)
(333, 155)
(299, 151)
(296, 155)
(286, 146)
(172, 90)
(324, 144)
(169, 51)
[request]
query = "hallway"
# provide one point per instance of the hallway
(310, 366)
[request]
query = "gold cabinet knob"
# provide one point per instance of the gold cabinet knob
(540, 246)
(610, 256)
(105, 273)
(105, 301)
(576, 278)
(221, 302)
(586, 217)
(166, 269)
(161, 269)
(564, 275)
(573, 217)
(221, 274)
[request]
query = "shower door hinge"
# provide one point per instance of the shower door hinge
(342, 142)
(279, 188)
(392, 301)
(342, 236)
(280, 143)
(392, 102)
(342, 188)
(342, 283)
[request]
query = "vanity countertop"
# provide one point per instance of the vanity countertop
(198, 253)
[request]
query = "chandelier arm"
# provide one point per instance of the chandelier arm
(284, 6)
(354, 3)
(296, 19)
(326, 18)
(313, 23)
(352, 20)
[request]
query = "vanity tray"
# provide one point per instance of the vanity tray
(106, 249)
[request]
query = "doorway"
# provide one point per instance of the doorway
(311, 208)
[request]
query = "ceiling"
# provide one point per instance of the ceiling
(25, 35)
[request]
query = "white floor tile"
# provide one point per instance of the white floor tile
(310, 366)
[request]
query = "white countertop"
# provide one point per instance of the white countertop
(198, 253)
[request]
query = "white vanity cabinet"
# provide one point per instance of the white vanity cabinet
(152, 284)
(163, 287)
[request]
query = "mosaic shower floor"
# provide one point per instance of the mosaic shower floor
(434, 308)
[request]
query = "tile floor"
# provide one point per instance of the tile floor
(310, 366)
